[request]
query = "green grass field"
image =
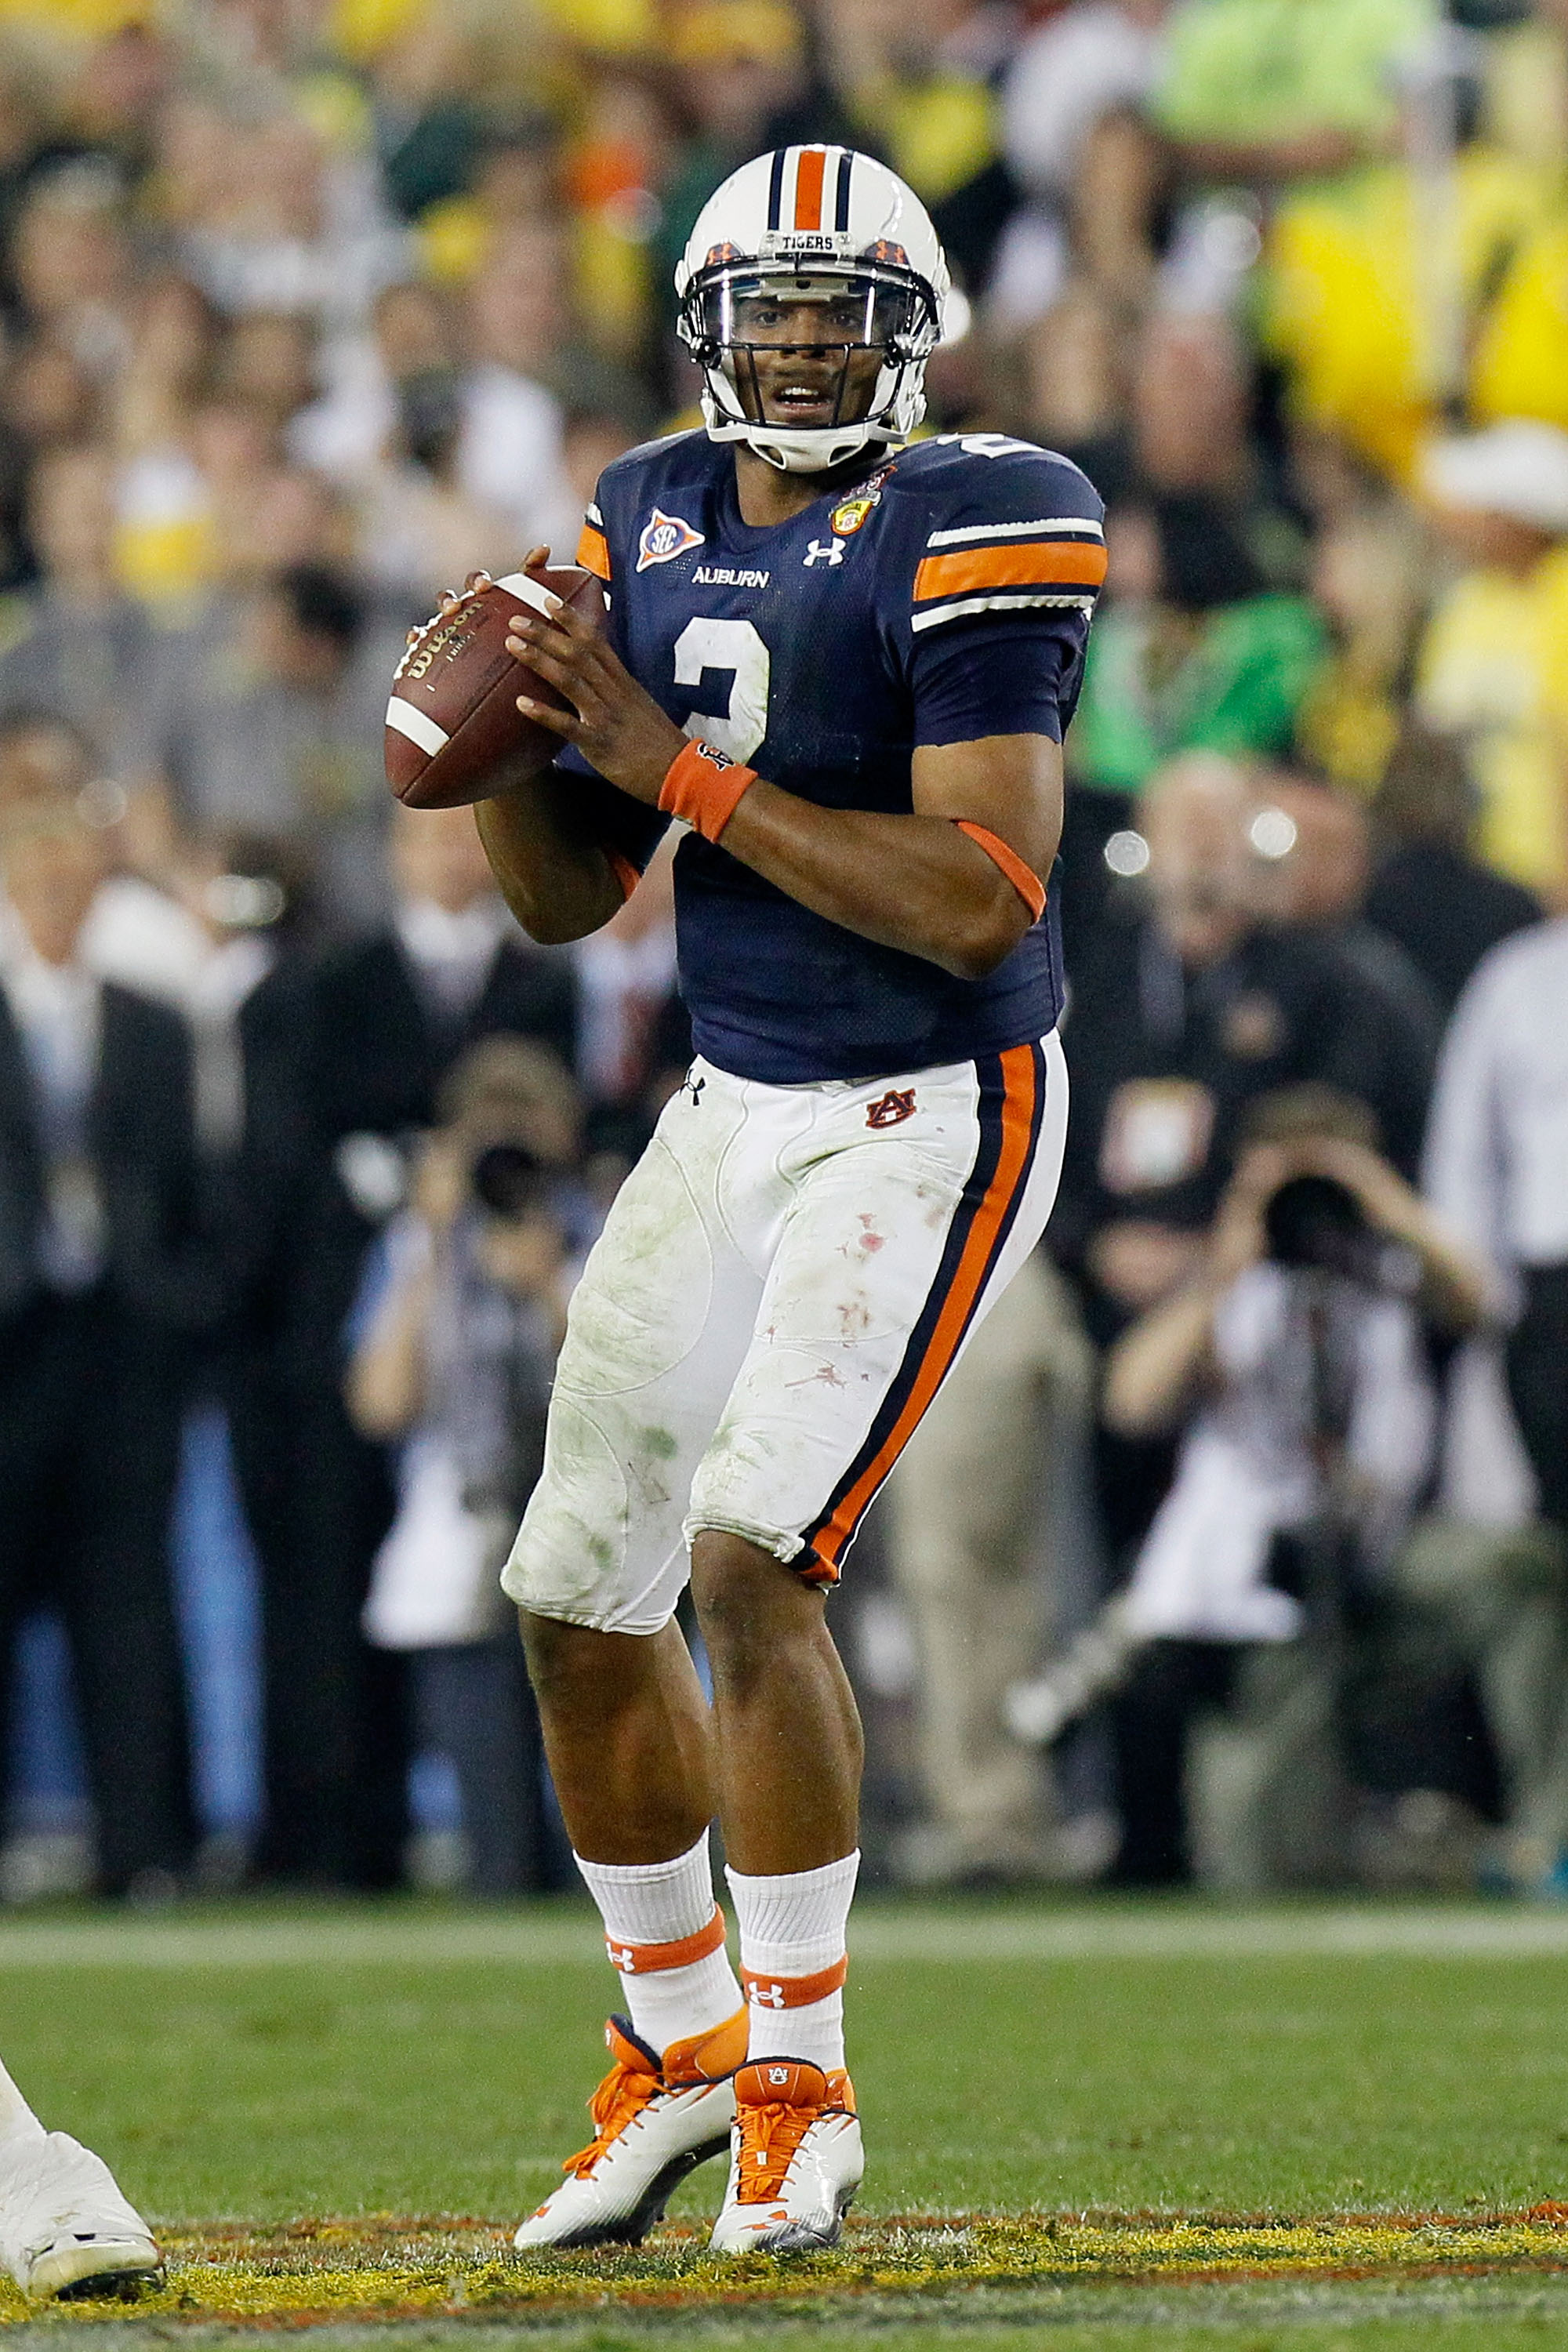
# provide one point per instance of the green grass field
(1123, 2124)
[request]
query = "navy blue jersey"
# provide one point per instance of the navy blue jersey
(943, 596)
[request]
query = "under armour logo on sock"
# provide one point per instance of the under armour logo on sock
(767, 1996)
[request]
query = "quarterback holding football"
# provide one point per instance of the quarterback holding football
(844, 661)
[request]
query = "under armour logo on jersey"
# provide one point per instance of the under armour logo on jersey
(693, 1086)
(817, 553)
(664, 536)
(891, 1108)
(768, 1996)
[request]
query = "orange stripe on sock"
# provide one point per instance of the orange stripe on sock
(646, 1959)
(1012, 1170)
(793, 1992)
(1037, 563)
(808, 187)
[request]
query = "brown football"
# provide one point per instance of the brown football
(453, 725)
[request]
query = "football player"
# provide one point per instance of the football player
(64, 2225)
(844, 663)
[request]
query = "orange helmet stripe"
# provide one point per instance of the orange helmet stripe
(809, 178)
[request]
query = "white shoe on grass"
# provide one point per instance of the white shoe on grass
(654, 2121)
(65, 2228)
(795, 2160)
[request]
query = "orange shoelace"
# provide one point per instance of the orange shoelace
(770, 2134)
(623, 2095)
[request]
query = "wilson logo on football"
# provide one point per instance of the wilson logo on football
(892, 1109)
(664, 536)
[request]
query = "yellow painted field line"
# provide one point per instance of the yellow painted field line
(386, 2269)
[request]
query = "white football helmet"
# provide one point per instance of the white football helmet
(813, 224)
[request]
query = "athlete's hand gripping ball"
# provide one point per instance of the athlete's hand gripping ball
(617, 726)
(456, 731)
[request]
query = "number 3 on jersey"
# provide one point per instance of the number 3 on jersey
(734, 645)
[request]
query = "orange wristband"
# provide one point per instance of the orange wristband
(1028, 885)
(703, 786)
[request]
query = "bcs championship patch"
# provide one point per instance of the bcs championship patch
(849, 513)
(663, 538)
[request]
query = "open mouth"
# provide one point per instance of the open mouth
(802, 403)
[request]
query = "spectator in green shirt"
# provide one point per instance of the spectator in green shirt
(1282, 90)
(1197, 654)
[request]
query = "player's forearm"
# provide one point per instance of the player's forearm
(558, 882)
(915, 883)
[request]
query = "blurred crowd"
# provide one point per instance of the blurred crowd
(1237, 1549)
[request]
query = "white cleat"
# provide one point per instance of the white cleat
(654, 2121)
(65, 2228)
(796, 2160)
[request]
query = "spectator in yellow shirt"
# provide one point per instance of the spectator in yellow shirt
(1493, 663)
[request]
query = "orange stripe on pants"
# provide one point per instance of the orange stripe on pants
(1019, 1088)
(808, 187)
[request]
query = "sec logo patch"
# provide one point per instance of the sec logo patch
(663, 538)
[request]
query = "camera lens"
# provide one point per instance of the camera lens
(507, 1179)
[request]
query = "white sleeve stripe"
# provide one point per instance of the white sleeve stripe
(594, 517)
(1079, 525)
(998, 605)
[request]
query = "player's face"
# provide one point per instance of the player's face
(805, 359)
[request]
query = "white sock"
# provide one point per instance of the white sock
(17, 2120)
(792, 1928)
(664, 1903)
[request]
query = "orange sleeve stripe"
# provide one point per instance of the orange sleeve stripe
(625, 872)
(1012, 1170)
(1036, 562)
(593, 551)
(1024, 879)
(808, 187)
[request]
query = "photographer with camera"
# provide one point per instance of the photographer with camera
(1300, 1365)
(455, 1360)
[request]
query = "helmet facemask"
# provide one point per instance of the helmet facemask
(739, 317)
